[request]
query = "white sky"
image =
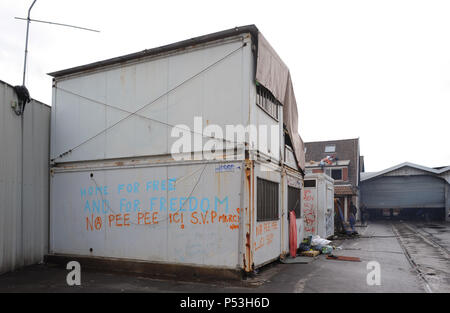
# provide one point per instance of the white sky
(378, 70)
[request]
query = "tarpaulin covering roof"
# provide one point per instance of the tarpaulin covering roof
(273, 74)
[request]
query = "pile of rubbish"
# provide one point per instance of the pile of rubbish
(314, 245)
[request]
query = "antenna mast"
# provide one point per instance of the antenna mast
(26, 44)
(28, 19)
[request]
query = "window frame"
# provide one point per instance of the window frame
(337, 169)
(297, 209)
(307, 181)
(265, 213)
(330, 146)
(264, 93)
(330, 169)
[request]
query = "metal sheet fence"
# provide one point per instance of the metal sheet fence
(23, 210)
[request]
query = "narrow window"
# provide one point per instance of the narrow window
(294, 200)
(311, 183)
(266, 101)
(330, 149)
(336, 174)
(267, 200)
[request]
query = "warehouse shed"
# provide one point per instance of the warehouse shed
(407, 191)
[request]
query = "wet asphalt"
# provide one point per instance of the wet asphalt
(398, 259)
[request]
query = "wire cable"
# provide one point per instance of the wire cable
(151, 102)
(144, 117)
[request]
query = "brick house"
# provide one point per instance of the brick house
(341, 160)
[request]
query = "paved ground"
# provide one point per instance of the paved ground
(378, 243)
(427, 249)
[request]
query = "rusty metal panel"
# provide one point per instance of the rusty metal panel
(23, 207)
(179, 213)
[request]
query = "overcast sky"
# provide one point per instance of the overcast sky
(377, 70)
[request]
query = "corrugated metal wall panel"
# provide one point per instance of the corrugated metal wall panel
(9, 181)
(36, 182)
(403, 192)
(23, 233)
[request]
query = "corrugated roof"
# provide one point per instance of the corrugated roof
(346, 149)
(365, 175)
(368, 176)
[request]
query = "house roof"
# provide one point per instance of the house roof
(346, 149)
(343, 190)
(181, 45)
(367, 176)
(336, 163)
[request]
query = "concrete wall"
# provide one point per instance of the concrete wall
(23, 207)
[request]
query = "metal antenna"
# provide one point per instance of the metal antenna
(26, 43)
(28, 19)
(58, 24)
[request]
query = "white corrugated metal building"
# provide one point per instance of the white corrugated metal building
(24, 181)
(117, 187)
(407, 190)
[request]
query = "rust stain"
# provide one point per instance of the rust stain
(218, 175)
(249, 215)
(122, 78)
(248, 249)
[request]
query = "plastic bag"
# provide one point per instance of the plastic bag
(327, 250)
(316, 240)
